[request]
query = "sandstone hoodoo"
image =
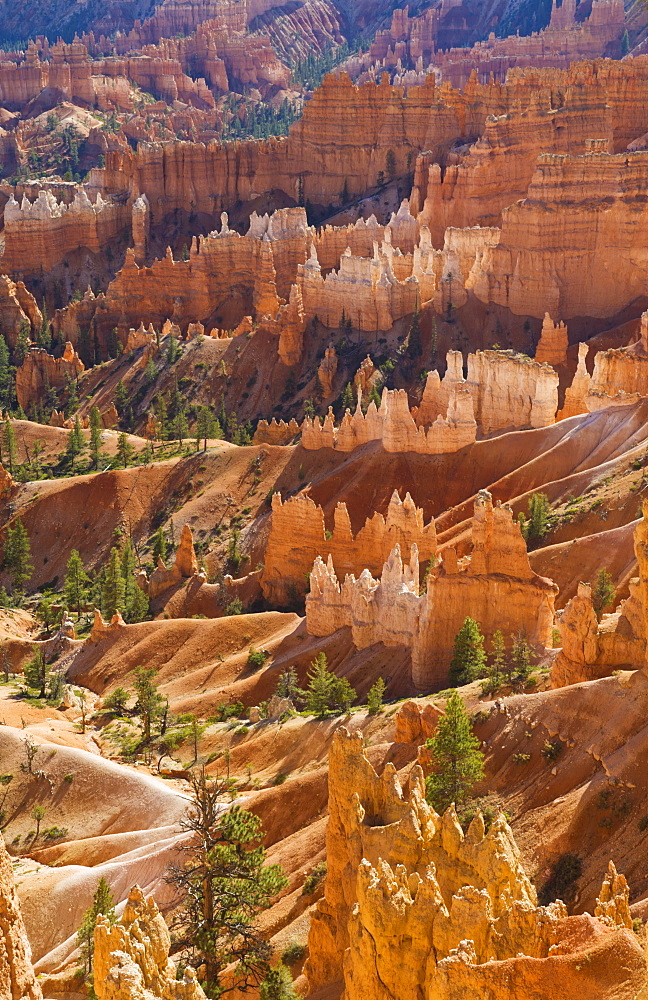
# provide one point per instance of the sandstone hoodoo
(323, 530)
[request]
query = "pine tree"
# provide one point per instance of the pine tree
(128, 574)
(204, 426)
(469, 659)
(9, 450)
(414, 346)
(375, 696)
(149, 700)
(121, 398)
(288, 686)
(124, 449)
(173, 349)
(522, 657)
(603, 592)
(95, 436)
(7, 377)
(22, 343)
(17, 556)
(76, 441)
(180, 428)
(456, 757)
(539, 510)
(497, 664)
(139, 606)
(102, 902)
(348, 400)
(76, 583)
(160, 546)
(113, 586)
(223, 886)
(320, 686)
(278, 984)
(36, 673)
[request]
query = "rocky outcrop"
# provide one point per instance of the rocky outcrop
(184, 566)
(41, 370)
(18, 310)
(275, 431)
(413, 906)
(326, 371)
(510, 390)
(577, 393)
(131, 957)
(495, 585)
(553, 343)
(592, 649)
(394, 426)
(298, 536)
(613, 903)
(17, 979)
(415, 723)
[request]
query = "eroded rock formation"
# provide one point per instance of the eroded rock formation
(495, 585)
(298, 535)
(553, 344)
(185, 566)
(131, 957)
(41, 370)
(435, 912)
(591, 649)
(17, 979)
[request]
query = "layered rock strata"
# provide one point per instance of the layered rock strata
(553, 343)
(413, 906)
(298, 536)
(40, 371)
(184, 566)
(495, 585)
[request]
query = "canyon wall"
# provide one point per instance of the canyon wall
(495, 585)
(413, 906)
(41, 371)
(298, 536)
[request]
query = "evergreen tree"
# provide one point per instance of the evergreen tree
(173, 349)
(102, 902)
(7, 377)
(121, 398)
(128, 573)
(9, 449)
(113, 586)
(76, 583)
(95, 436)
(150, 372)
(497, 663)
(469, 659)
(222, 887)
(36, 673)
(124, 449)
(348, 399)
(76, 441)
(603, 592)
(522, 657)
(539, 511)
(325, 691)
(150, 702)
(414, 346)
(22, 343)
(278, 984)
(375, 696)
(456, 757)
(288, 686)
(139, 606)
(180, 428)
(17, 556)
(160, 546)
(204, 426)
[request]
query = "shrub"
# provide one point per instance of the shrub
(257, 657)
(375, 696)
(561, 884)
(314, 877)
(69, 778)
(552, 749)
(293, 953)
(55, 832)
(279, 779)
(241, 731)
(521, 758)
(643, 823)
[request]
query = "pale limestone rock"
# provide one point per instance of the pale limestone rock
(576, 394)
(553, 343)
(132, 957)
(185, 566)
(326, 371)
(276, 432)
(613, 903)
(17, 979)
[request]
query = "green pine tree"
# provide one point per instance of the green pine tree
(375, 696)
(456, 757)
(17, 556)
(121, 398)
(603, 592)
(288, 686)
(9, 449)
(278, 984)
(36, 673)
(76, 441)
(348, 398)
(22, 344)
(104, 903)
(539, 511)
(497, 663)
(96, 428)
(469, 659)
(76, 583)
(160, 546)
(124, 449)
(113, 586)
